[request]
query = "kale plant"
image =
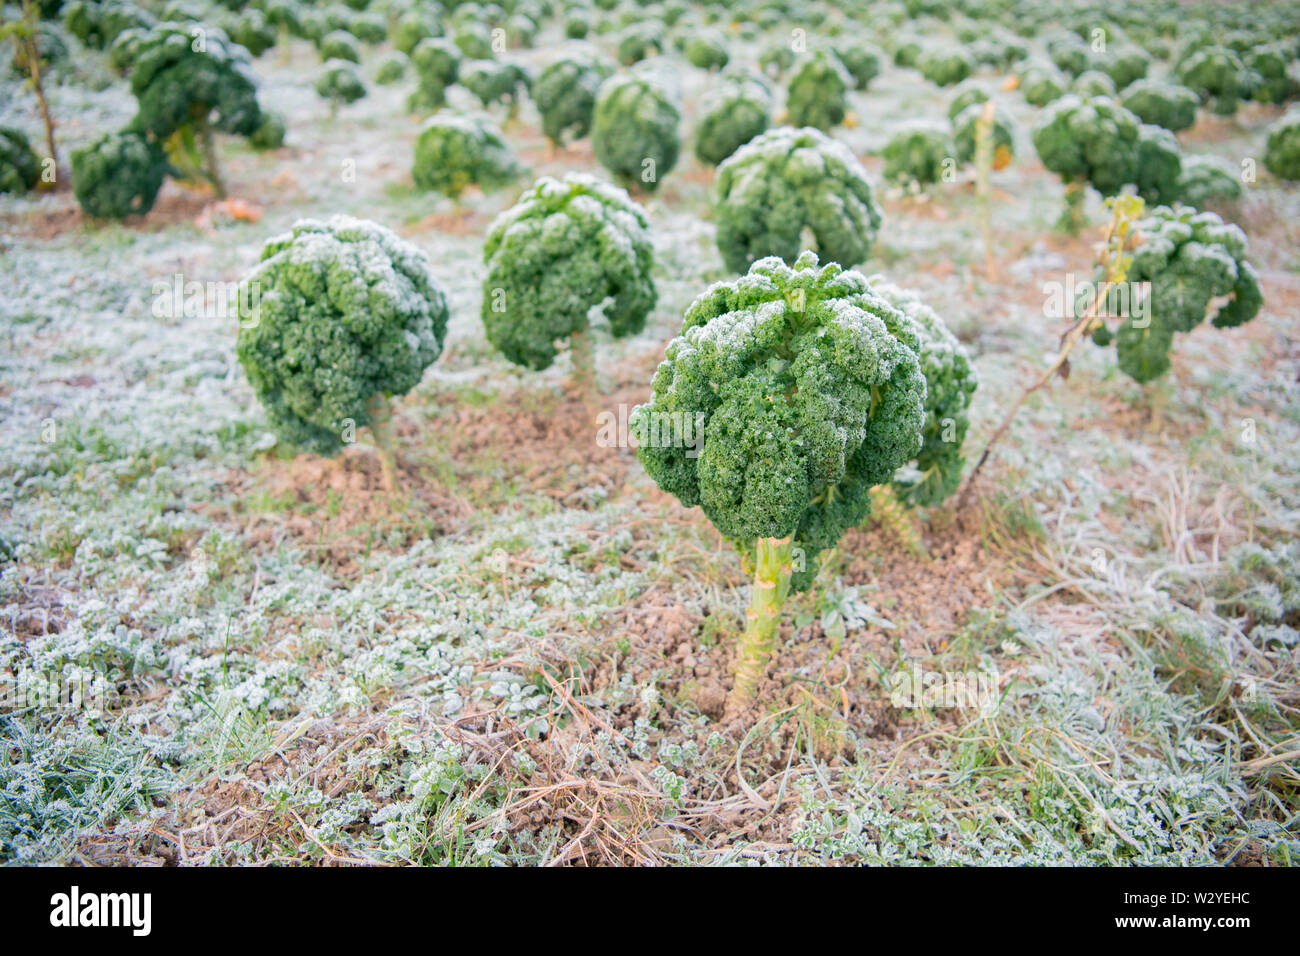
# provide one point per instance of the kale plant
(565, 248)
(338, 316)
(785, 181)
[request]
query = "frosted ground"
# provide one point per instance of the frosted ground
(520, 662)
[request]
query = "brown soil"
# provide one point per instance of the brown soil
(337, 508)
(540, 442)
(929, 601)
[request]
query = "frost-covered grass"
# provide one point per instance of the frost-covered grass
(520, 676)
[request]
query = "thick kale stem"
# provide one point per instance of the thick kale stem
(1071, 220)
(213, 168)
(771, 585)
(31, 50)
(381, 425)
(583, 346)
(983, 170)
(890, 513)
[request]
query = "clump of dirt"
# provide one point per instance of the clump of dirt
(45, 223)
(232, 813)
(700, 174)
(39, 611)
(544, 154)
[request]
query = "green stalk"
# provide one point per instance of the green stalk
(890, 513)
(583, 346)
(983, 170)
(381, 426)
(26, 41)
(210, 162)
(1072, 219)
(772, 572)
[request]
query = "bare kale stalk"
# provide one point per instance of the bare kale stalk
(26, 38)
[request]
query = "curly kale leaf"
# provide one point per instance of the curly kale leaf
(412, 27)
(707, 50)
(1207, 179)
(1218, 77)
(776, 59)
(270, 132)
(437, 64)
(98, 24)
(1159, 164)
(339, 45)
(1093, 83)
(1124, 63)
(634, 130)
(950, 382)
(251, 30)
(20, 167)
(565, 94)
(638, 42)
(493, 82)
(1282, 154)
(1270, 66)
(1190, 259)
(731, 115)
(862, 60)
(946, 65)
(917, 153)
(1164, 104)
(340, 82)
(1143, 351)
(454, 150)
(1093, 140)
(1068, 52)
(818, 93)
(1041, 83)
